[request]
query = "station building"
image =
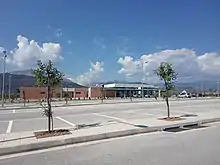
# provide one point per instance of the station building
(133, 89)
(106, 91)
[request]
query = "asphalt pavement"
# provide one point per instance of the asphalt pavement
(66, 117)
(194, 147)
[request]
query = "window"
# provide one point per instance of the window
(42, 92)
(78, 92)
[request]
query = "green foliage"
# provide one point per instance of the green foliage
(47, 74)
(166, 73)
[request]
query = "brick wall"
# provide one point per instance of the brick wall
(95, 92)
(36, 93)
(81, 93)
(110, 93)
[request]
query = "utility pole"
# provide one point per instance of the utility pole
(143, 62)
(202, 90)
(218, 87)
(3, 77)
(9, 88)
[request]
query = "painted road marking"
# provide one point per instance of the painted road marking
(115, 118)
(72, 124)
(142, 113)
(9, 126)
(14, 111)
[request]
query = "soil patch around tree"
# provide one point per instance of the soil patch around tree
(45, 134)
(176, 118)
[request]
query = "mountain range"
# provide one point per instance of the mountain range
(25, 78)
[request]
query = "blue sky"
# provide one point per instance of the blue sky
(107, 30)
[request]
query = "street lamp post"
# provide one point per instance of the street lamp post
(202, 88)
(143, 62)
(9, 88)
(218, 88)
(3, 77)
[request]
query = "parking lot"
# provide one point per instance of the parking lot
(103, 114)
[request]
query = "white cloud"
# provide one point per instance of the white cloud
(99, 42)
(1, 50)
(90, 76)
(210, 63)
(186, 63)
(1, 54)
(58, 33)
(28, 52)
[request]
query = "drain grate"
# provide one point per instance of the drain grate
(184, 128)
(141, 126)
(175, 129)
(189, 115)
(195, 126)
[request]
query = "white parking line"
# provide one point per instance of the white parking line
(142, 113)
(9, 126)
(72, 124)
(112, 117)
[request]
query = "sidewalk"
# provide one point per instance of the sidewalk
(25, 141)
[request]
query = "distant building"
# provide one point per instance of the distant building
(133, 89)
(36, 93)
(109, 90)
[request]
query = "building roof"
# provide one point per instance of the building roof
(121, 85)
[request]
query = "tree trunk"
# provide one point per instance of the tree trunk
(167, 102)
(24, 98)
(52, 122)
(102, 96)
(49, 107)
(167, 99)
(67, 96)
(168, 107)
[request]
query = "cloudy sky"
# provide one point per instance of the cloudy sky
(113, 40)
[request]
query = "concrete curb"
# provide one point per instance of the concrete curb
(89, 138)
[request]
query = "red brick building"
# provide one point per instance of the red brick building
(80, 93)
(36, 93)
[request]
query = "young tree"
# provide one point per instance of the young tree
(47, 75)
(166, 73)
